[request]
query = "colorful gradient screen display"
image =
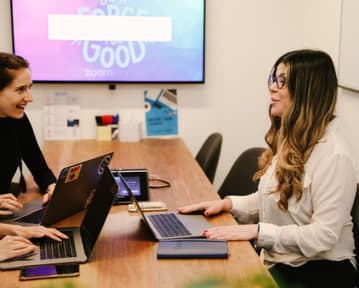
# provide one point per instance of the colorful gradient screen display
(149, 41)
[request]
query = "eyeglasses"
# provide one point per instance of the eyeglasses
(280, 81)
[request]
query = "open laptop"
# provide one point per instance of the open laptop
(70, 196)
(169, 225)
(78, 248)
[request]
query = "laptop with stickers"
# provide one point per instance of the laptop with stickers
(71, 194)
(78, 248)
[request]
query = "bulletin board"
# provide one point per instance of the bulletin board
(349, 45)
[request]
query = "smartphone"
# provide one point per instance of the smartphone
(49, 271)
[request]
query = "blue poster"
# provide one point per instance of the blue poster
(161, 112)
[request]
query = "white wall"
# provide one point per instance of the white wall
(243, 39)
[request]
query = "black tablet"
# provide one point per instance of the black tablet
(137, 180)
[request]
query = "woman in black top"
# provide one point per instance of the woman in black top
(19, 143)
(18, 139)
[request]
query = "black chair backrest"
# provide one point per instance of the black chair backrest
(239, 180)
(208, 155)
(355, 216)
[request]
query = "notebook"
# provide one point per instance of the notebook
(70, 195)
(170, 225)
(82, 240)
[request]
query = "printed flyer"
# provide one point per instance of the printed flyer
(161, 112)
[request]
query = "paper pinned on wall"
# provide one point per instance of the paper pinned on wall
(161, 112)
(61, 117)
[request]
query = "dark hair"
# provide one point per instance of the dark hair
(312, 84)
(8, 64)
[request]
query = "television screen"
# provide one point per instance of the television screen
(111, 41)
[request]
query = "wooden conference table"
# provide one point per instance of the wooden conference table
(125, 253)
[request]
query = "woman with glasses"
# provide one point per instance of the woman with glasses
(300, 216)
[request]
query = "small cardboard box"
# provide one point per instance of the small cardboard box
(103, 133)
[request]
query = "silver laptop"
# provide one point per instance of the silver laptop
(70, 196)
(169, 225)
(78, 248)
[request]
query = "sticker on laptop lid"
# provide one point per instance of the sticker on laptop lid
(73, 173)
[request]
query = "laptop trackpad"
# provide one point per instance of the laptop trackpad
(28, 207)
(195, 223)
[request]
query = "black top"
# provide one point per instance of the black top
(18, 142)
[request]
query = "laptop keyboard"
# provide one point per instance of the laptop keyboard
(34, 217)
(168, 225)
(51, 249)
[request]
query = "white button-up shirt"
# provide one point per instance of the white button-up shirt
(319, 225)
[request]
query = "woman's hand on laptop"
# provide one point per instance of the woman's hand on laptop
(38, 231)
(9, 204)
(14, 246)
(209, 207)
(49, 191)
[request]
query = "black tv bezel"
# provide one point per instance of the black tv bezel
(113, 83)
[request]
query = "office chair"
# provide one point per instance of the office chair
(208, 155)
(355, 216)
(239, 180)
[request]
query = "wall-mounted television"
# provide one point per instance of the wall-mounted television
(111, 41)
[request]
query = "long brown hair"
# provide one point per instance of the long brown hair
(312, 85)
